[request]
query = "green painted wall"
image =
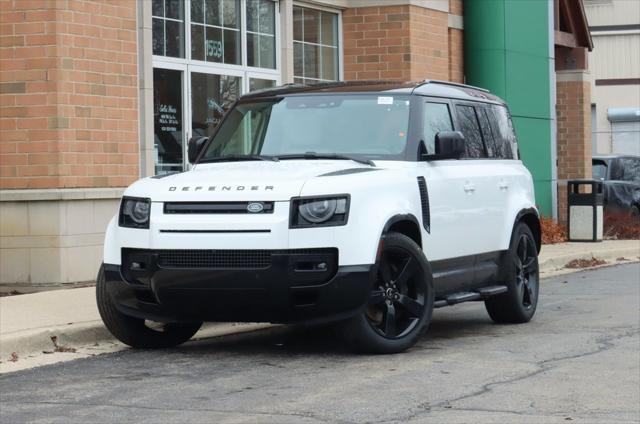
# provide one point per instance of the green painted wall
(506, 45)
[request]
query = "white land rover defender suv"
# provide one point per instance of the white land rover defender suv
(366, 204)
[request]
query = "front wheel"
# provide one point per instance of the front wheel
(518, 304)
(400, 300)
(136, 332)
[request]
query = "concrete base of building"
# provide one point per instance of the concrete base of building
(54, 237)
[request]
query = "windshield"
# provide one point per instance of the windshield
(599, 170)
(369, 126)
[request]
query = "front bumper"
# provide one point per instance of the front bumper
(278, 286)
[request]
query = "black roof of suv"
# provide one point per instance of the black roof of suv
(431, 88)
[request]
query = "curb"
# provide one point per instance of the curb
(92, 333)
(610, 256)
(88, 333)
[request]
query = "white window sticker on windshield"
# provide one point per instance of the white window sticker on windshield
(385, 100)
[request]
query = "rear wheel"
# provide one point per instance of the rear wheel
(136, 332)
(519, 303)
(400, 301)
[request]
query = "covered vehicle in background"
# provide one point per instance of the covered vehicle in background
(621, 177)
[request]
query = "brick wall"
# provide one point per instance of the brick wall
(68, 92)
(400, 43)
(573, 108)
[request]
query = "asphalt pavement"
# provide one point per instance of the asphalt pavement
(577, 361)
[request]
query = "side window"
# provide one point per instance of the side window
(630, 169)
(436, 118)
(487, 134)
(506, 146)
(470, 128)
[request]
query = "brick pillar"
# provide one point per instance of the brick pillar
(456, 41)
(68, 91)
(573, 108)
(399, 43)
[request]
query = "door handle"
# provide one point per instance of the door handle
(503, 185)
(469, 188)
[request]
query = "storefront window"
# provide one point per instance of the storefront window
(315, 45)
(206, 54)
(215, 31)
(168, 28)
(211, 96)
(261, 34)
(168, 137)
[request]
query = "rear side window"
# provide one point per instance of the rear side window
(599, 170)
(470, 128)
(437, 118)
(505, 143)
(630, 169)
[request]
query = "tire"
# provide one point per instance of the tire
(134, 331)
(519, 303)
(400, 304)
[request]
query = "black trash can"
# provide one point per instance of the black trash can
(585, 210)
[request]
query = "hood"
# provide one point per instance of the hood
(254, 180)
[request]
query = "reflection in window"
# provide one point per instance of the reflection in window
(505, 146)
(167, 120)
(315, 45)
(260, 84)
(168, 27)
(211, 96)
(630, 169)
(261, 33)
(470, 128)
(215, 31)
(437, 118)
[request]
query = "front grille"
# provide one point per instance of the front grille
(218, 207)
(227, 259)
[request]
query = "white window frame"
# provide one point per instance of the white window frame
(340, 37)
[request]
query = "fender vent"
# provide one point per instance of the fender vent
(424, 201)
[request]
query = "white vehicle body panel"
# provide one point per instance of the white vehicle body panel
(462, 222)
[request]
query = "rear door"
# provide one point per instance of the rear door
(486, 201)
(452, 188)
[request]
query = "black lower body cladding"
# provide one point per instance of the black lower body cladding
(279, 286)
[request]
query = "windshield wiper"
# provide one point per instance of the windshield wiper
(236, 158)
(314, 155)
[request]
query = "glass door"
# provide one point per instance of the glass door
(168, 118)
(211, 95)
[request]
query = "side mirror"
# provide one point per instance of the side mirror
(195, 146)
(449, 145)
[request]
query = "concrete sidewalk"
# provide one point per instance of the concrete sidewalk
(27, 322)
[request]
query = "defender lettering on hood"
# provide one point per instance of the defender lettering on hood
(222, 188)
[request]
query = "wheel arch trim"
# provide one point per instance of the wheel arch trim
(528, 216)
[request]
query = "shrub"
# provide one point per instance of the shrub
(552, 232)
(620, 225)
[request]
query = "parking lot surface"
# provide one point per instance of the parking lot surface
(577, 361)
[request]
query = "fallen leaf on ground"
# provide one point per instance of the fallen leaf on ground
(57, 348)
(584, 263)
(13, 357)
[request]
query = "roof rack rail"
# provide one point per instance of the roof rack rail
(455, 84)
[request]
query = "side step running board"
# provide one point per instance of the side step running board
(479, 294)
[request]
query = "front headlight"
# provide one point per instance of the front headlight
(134, 212)
(319, 211)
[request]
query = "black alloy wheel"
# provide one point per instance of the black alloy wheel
(397, 301)
(526, 263)
(400, 301)
(521, 276)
